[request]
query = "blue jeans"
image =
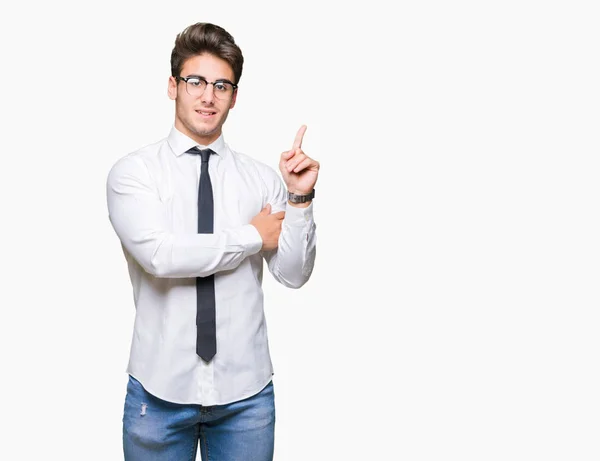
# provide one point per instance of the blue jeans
(157, 430)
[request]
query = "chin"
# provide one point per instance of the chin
(203, 126)
(201, 129)
(205, 131)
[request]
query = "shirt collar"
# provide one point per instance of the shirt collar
(180, 143)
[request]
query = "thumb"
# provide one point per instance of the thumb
(266, 210)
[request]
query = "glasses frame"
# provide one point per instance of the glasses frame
(221, 80)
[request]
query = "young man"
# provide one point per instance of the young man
(195, 220)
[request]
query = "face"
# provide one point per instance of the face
(202, 117)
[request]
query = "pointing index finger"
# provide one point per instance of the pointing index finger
(299, 136)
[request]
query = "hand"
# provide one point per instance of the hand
(268, 226)
(299, 171)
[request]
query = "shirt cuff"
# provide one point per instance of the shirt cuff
(298, 217)
(250, 239)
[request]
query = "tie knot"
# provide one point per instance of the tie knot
(204, 153)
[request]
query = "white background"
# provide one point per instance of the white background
(453, 310)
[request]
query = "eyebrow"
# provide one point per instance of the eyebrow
(204, 78)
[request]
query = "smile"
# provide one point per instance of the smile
(205, 113)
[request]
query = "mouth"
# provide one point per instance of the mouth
(205, 113)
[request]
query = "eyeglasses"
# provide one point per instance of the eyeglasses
(195, 86)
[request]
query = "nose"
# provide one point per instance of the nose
(208, 95)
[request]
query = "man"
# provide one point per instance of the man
(195, 220)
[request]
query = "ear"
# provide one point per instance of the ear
(233, 98)
(172, 88)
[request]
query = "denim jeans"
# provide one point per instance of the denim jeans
(156, 430)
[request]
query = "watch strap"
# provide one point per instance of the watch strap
(296, 198)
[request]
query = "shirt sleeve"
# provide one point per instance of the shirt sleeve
(292, 262)
(139, 219)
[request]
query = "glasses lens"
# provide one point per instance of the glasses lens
(195, 86)
(223, 90)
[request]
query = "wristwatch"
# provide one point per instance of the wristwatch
(295, 198)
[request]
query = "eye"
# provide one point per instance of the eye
(222, 87)
(196, 82)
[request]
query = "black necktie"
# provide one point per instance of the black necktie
(206, 340)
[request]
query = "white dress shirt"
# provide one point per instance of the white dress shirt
(152, 197)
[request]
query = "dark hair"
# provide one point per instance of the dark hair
(204, 37)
